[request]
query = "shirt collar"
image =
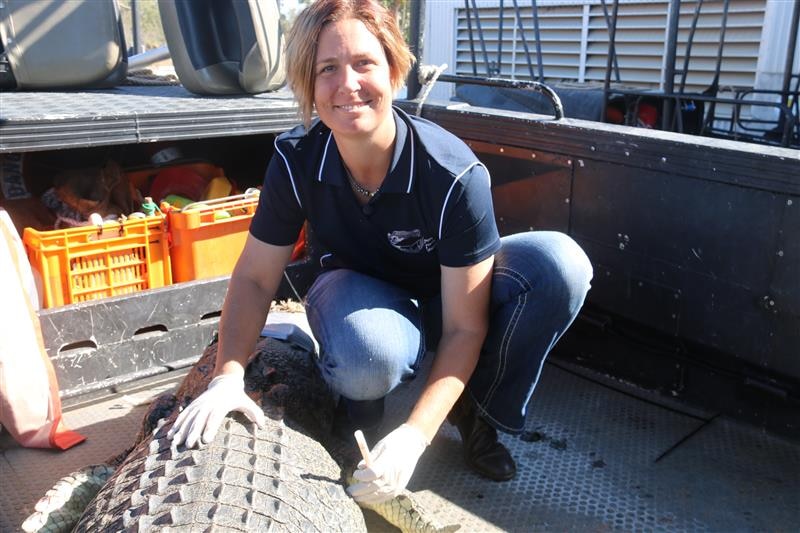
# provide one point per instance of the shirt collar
(401, 170)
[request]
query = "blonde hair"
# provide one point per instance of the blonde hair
(302, 41)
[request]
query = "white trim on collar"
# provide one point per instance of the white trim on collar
(411, 168)
(409, 138)
(324, 157)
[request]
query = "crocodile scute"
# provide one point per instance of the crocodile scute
(279, 478)
(247, 479)
(289, 476)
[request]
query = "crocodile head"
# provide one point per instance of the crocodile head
(281, 378)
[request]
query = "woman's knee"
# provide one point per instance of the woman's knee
(543, 260)
(369, 333)
(572, 264)
(364, 374)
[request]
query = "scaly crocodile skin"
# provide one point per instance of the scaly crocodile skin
(278, 478)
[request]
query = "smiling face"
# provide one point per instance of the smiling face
(352, 85)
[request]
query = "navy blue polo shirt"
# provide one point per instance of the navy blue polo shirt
(434, 206)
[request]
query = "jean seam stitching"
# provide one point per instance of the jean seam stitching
(313, 311)
(422, 339)
(517, 276)
(507, 336)
(524, 284)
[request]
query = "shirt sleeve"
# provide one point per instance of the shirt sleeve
(468, 229)
(279, 215)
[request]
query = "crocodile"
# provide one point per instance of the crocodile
(289, 476)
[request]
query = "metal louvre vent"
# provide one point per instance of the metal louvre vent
(639, 42)
(560, 28)
(574, 42)
(742, 40)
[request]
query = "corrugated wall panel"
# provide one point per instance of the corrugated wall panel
(640, 41)
(560, 34)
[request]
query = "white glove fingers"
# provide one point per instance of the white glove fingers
(176, 426)
(212, 424)
(358, 490)
(199, 422)
(182, 425)
(208, 434)
(365, 475)
(196, 427)
(253, 412)
(375, 497)
(370, 492)
(393, 461)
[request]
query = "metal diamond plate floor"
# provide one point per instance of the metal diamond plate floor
(596, 459)
(592, 459)
(31, 120)
(109, 427)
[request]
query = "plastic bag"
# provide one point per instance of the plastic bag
(30, 407)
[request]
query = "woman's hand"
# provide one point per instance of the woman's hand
(392, 463)
(199, 422)
(253, 284)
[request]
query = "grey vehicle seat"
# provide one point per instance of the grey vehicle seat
(225, 46)
(51, 44)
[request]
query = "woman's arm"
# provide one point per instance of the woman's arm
(254, 283)
(465, 321)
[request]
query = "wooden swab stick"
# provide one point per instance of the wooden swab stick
(362, 445)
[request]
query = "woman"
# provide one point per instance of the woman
(404, 210)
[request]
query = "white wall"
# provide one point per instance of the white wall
(439, 41)
(772, 54)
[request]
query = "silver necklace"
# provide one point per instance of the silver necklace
(357, 187)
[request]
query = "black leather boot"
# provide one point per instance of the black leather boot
(482, 451)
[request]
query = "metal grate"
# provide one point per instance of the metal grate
(587, 462)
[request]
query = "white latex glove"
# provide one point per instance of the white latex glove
(392, 462)
(199, 422)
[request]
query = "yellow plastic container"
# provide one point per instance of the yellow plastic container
(218, 187)
(208, 237)
(93, 262)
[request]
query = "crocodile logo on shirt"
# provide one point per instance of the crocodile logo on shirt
(411, 241)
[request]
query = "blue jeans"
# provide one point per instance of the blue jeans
(373, 335)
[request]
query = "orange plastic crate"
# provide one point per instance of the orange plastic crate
(90, 262)
(205, 245)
